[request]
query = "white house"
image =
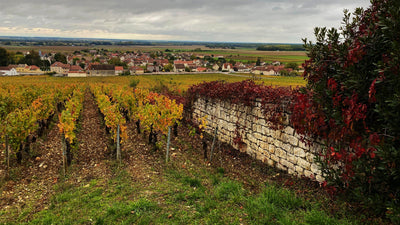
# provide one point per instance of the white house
(76, 71)
(8, 71)
(227, 67)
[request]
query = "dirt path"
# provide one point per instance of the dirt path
(92, 154)
(140, 162)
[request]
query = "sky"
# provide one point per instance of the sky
(263, 21)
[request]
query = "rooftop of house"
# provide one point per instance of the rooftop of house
(101, 67)
(179, 66)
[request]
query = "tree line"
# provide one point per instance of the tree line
(284, 47)
(33, 58)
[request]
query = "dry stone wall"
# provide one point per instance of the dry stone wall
(281, 148)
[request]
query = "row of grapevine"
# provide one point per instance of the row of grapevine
(23, 122)
(17, 96)
(154, 111)
(67, 123)
(25, 109)
(114, 120)
(14, 97)
(68, 117)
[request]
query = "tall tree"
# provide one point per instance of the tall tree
(292, 65)
(258, 62)
(116, 61)
(32, 58)
(3, 57)
(59, 57)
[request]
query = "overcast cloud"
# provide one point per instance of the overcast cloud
(278, 21)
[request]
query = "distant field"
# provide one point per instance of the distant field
(181, 82)
(247, 54)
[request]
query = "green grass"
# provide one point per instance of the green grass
(98, 202)
(194, 196)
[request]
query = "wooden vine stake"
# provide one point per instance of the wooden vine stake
(118, 147)
(168, 143)
(213, 143)
(7, 155)
(64, 154)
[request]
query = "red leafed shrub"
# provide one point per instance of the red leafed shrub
(352, 102)
(274, 101)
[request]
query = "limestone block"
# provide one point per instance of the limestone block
(281, 167)
(308, 174)
(274, 158)
(310, 157)
(315, 169)
(270, 162)
(261, 121)
(253, 146)
(222, 126)
(262, 138)
(264, 130)
(222, 113)
(302, 144)
(289, 130)
(319, 178)
(291, 172)
(280, 153)
(272, 133)
(278, 134)
(262, 145)
(284, 138)
(270, 140)
(287, 147)
(293, 141)
(257, 112)
(260, 156)
(292, 158)
(231, 126)
(259, 128)
(299, 170)
(271, 149)
(299, 152)
(303, 163)
(277, 143)
(258, 136)
(287, 164)
(249, 137)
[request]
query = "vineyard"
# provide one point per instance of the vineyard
(26, 113)
(66, 145)
(215, 148)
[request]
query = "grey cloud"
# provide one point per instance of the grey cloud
(207, 20)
